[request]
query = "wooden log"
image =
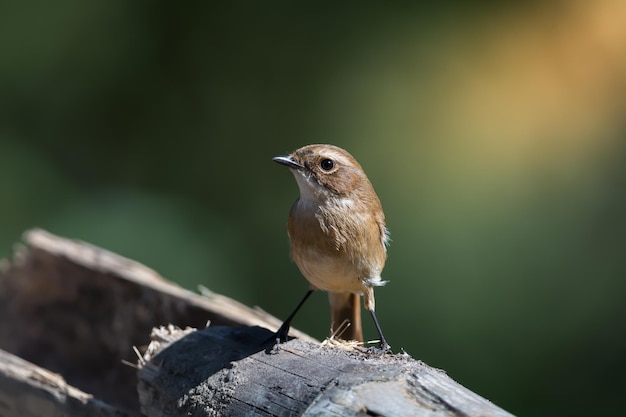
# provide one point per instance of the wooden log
(30, 391)
(230, 371)
(77, 310)
(71, 312)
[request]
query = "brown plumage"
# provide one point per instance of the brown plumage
(337, 232)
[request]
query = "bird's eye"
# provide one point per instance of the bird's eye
(327, 164)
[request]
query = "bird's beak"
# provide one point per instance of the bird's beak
(288, 161)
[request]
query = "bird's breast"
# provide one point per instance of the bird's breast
(336, 247)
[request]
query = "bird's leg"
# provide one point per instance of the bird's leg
(283, 331)
(370, 304)
(383, 343)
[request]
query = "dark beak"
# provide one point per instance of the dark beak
(288, 161)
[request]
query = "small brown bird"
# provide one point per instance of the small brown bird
(337, 233)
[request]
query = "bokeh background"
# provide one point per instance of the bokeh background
(494, 133)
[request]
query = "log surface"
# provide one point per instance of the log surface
(30, 391)
(76, 310)
(231, 371)
(70, 313)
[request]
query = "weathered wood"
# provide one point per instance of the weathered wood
(30, 391)
(229, 371)
(77, 310)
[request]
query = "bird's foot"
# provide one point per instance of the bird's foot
(383, 348)
(281, 336)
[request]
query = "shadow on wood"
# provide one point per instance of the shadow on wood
(71, 312)
(77, 310)
(229, 371)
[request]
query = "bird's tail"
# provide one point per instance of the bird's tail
(345, 306)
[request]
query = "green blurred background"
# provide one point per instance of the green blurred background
(492, 131)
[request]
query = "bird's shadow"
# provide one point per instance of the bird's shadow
(200, 354)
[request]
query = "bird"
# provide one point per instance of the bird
(338, 235)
